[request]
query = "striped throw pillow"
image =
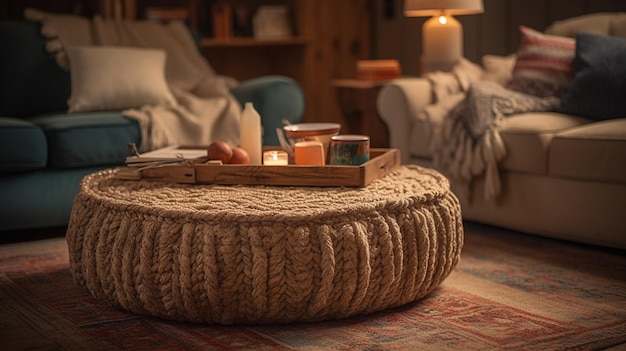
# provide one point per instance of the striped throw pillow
(544, 64)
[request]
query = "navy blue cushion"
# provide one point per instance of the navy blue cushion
(598, 89)
(32, 82)
(23, 146)
(88, 139)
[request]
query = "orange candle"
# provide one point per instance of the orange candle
(308, 153)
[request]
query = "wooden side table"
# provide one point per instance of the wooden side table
(357, 101)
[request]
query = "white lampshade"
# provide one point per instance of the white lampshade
(423, 8)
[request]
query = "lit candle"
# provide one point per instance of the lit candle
(275, 158)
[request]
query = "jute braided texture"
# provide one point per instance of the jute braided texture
(260, 254)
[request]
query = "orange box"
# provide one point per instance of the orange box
(378, 69)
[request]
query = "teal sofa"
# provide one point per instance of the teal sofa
(45, 151)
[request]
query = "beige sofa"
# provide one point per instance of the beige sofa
(563, 176)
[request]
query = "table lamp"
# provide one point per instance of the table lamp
(442, 34)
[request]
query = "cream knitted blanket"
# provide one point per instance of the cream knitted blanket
(467, 116)
(206, 110)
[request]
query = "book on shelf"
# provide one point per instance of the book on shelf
(222, 18)
(118, 9)
(167, 14)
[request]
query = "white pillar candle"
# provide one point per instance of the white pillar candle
(275, 158)
(250, 133)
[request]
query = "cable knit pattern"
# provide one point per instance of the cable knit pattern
(261, 254)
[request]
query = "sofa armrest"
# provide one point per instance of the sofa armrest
(275, 98)
(398, 104)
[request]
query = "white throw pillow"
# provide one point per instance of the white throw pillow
(499, 69)
(115, 78)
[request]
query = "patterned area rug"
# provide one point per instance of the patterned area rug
(510, 291)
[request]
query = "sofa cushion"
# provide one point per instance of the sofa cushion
(23, 146)
(594, 152)
(32, 83)
(604, 23)
(527, 139)
(88, 138)
(544, 64)
(498, 69)
(599, 84)
(115, 78)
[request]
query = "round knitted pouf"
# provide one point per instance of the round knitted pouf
(263, 254)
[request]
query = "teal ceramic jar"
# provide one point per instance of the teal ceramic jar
(349, 149)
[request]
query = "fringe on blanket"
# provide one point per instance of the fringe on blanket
(462, 157)
(468, 143)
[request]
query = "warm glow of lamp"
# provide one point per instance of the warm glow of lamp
(442, 34)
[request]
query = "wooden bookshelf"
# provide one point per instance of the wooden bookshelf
(329, 37)
(251, 42)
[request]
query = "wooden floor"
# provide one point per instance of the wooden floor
(13, 236)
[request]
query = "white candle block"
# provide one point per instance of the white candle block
(275, 158)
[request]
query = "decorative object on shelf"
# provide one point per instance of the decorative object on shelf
(272, 23)
(442, 34)
(378, 69)
(250, 133)
(349, 149)
(275, 158)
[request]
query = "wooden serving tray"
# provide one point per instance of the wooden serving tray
(381, 163)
